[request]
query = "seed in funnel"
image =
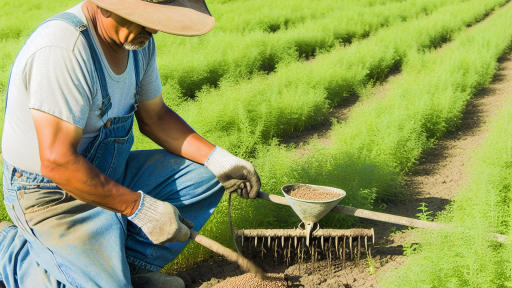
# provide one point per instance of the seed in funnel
(307, 193)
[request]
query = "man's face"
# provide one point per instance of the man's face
(139, 41)
(127, 34)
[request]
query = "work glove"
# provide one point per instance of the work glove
(235, 174)
(161, 221)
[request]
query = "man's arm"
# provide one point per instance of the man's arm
(166, 128)
(60, 162)
(171, 132)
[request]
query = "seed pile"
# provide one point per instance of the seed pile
(249, 280)
(306, 193)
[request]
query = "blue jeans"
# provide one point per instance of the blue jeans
(58, 241)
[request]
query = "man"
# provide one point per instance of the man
(87, 211)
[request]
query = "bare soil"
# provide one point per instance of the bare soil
(440, 174)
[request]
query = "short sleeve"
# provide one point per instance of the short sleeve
(151, 86)
(58, 83)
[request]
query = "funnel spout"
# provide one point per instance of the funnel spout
(309, 226)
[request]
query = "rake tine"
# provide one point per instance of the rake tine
(289, 249)
(358, 247)
(275, 248)
(350, 244)
(269, 241)
(336, 242)
(365, 244)
(282, 241)
(322, 241)
(295, 242)
(344, 249)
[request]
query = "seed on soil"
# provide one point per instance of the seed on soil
(306, 193)
(249, 280)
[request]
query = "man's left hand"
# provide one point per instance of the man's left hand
(235, 174)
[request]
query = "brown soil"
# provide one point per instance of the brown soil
(251, 281)
(440, 174)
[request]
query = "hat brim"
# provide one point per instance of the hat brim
(181, 17)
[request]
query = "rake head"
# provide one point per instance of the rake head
(288, 246)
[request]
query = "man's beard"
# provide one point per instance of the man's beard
(134, 45)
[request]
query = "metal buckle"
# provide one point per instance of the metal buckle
(82, 27)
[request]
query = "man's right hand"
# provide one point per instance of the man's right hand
(161, 221)
(235, 174)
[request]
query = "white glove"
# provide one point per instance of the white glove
(161, 221)
(234, 173)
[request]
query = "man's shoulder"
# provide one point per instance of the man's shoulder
(56, 33)
(53, 34)
(148, 53)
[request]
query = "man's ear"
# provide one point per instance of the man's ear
(105, 13)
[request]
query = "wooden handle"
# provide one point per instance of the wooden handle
(363, 213)
(231, 255)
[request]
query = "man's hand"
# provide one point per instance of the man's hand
(234, 173)
(161, 221)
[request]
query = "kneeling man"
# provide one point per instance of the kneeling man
(87, 211)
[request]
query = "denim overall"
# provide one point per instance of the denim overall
(59, 241)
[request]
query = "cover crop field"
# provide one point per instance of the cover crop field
(402, 73)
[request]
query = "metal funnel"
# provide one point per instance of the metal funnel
(309, 211)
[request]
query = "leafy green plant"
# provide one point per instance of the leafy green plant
(369, 196)
(424, 214)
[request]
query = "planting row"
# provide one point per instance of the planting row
(256, 15)
(188, 64)
(367, 155)
(468, 255)
(242, 115)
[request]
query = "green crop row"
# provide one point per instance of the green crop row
(242, 115)
(188, 64)
(256, 15)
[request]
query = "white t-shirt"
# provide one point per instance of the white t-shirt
(54, 73)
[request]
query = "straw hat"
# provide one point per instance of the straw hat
(178, 17)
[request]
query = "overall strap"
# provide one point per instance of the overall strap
(76, 22)
(137, 74)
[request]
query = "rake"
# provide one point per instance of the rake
(307, 243)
